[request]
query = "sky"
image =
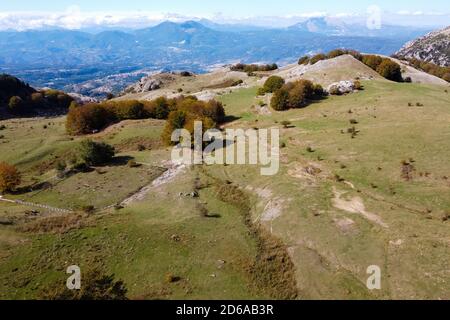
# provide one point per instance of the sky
(76, 14)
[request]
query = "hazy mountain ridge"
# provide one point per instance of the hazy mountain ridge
(433, 47)
(72, 60)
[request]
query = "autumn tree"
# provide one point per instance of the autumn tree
(9, 177)
(280, 100)
(390, 70)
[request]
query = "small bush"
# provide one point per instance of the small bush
(357, 85)
(334, 90)
(317, 58)
(170, 278)
(303, 60)
(285, 123)
(133, 164)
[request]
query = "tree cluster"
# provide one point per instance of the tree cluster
(18, 98)
(249, 68)
(296, 94)
(431, 68)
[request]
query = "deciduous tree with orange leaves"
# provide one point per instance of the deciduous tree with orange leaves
(9, 177)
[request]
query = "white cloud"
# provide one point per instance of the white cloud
(74, 18)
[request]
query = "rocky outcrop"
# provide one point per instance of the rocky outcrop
(433, 47)
(341, 87)
(146, 84)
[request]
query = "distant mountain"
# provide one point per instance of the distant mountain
(333, 27)
(433, 47)
(70, 60)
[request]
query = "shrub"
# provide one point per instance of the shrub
(446, 77)
(214, 110)
(297, 96)
(37, 98)
(318, 91)
(280, 100)
(9, 177)
(95, 153)
(317, 58)
(95, 286)
(285, 123)
(390, 70)
(260, 92)
(272, 84)
(334, 90)
(237, 82)
(303, 60)
(357, 85)
(372, 61)
(335, 53)
(15, 104)
(133, 164)
(159, 108)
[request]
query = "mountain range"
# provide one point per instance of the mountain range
(70, 60)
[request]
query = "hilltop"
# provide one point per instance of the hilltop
(223, 80)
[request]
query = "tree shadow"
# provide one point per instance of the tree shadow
(213, 215)
(230, 118)
(120, 161)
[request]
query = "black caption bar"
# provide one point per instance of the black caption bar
(220, 309)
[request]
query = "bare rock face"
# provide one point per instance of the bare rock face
(82, 99)
(433, 47)
(146, 84)
(341, 87)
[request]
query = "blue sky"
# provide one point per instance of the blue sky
(238, 7)
(77, 14)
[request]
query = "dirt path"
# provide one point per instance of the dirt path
(355, 205)
(173, 170)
